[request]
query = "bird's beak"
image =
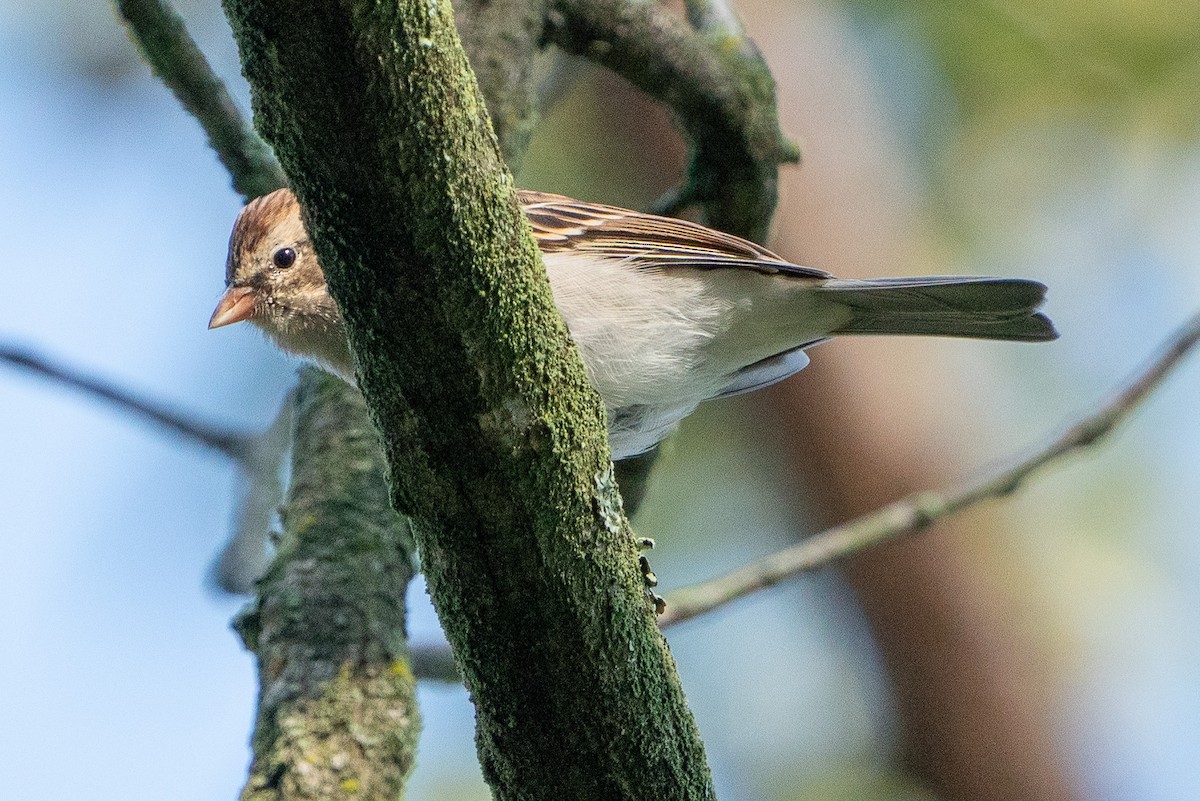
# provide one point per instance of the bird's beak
(236, 304)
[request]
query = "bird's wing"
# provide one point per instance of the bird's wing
(562, 225)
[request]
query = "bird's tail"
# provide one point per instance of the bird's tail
(952, 306)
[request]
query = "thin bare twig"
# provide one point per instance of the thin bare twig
(259, 458)
(918, 511)
(234, 444)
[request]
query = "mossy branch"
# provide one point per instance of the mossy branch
(176, 59)
(494, 438)
(717, 85)
(346, 556)
(903, 518)
(337, 707)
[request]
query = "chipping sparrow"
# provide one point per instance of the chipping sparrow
(666, 313)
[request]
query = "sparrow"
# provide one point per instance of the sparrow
(666, 313)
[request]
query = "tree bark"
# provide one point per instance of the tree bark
(494, 438)
(337, 697)
(337, 714)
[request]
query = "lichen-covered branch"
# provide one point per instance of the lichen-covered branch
(503, 38)
(494, 438)
(917, 512)
(320, 698)
(337, 712)
(173, 55)
(717, 85)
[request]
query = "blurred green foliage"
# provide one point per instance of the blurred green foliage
(1133, 60)
(857, 781)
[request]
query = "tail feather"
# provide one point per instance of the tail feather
(955, 306)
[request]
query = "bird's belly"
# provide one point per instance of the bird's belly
(658, 342)
(642, 334)
(633, 430)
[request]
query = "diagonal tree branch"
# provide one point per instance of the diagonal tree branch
(237, 445)
(905, 517)
(165, 44)
(908, 516)
(345, 719)
(494, 438)
(917, 512)
(259, 458)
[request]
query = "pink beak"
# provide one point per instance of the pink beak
(236, 304)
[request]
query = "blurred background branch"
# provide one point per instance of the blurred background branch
(236, 445)
(259, 458)
(908, 516)
(917, 512)
(165, 44)
(503, 39)
(716, 84)
(245, 558)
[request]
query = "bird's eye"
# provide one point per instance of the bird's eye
(283, 258)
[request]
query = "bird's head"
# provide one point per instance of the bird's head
(273, 280)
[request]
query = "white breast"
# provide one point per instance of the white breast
(658, 343)
(641, 332)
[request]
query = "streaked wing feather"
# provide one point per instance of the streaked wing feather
(562, 224)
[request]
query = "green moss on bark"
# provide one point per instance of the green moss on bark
(492, 434)
(337, 702)
(337, 714)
